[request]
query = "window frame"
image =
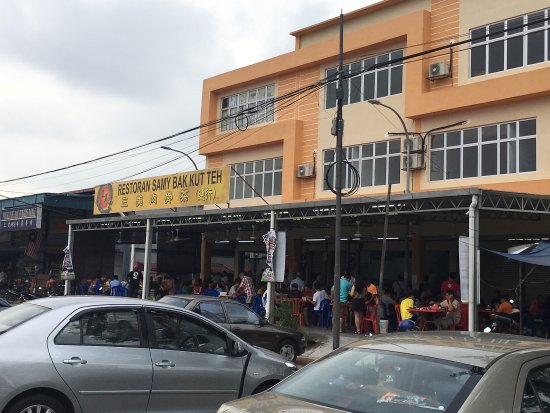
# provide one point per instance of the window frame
(484, 146)
(232, 105)
(270, 172)
(524, 33)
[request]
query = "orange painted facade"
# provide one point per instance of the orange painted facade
(300, 131)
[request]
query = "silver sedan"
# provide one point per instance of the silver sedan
(113, 354)
(454, 372)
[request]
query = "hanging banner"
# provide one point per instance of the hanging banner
(67, 272)
(207, 186)
(280, 257)
(270, 241)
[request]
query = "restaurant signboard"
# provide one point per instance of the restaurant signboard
(202, 187)
(21, 218)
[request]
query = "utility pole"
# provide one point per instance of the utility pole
(338, 190)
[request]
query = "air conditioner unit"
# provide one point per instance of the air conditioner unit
(415, 144)
(416, 161)
(439, 70)
(305, 170)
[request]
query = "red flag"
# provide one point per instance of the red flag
(34, 245)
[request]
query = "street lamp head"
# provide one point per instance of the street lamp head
(166, 147)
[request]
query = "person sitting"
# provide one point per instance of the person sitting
(504, 307)
(407, 319)
(210, 290)
(294, 292)
(452, 315)
(240, 295)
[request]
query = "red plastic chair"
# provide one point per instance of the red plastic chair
(397, 308)
(371, 318)
(297, 310)
(463, 325)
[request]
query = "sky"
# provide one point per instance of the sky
(81, 79)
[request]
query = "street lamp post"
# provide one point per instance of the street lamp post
(407, 140)
(183, 153)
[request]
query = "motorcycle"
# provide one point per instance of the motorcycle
(17, 295)
(509, 324)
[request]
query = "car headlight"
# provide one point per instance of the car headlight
(290, 365)
(228, 409)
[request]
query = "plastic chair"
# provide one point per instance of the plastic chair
(371, 318)
(397, 308)
(463, 325)
(325, 313)
(296, 310)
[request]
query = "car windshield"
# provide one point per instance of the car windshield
(361, 380)
(18, 314)
(178, 302)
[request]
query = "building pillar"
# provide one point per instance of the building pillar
(418, 260)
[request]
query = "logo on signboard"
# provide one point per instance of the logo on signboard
(104, 198)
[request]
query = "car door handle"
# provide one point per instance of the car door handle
(165, 363)
(236, 329)
(74, 361)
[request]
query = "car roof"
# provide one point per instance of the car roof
(78, 300)
(476, 349)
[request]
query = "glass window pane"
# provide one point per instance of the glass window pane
(381, 148)
(396, 83)
(529, 402)
(515, 26)
(380, 171)
(355, 90)
(437, 141)
(366, 173)
(382, 58)
(515, 52)
(259, 166)
(496, 30)
(239, 314)
(470, 136)
(398, 54)
(330, 98)
(239, 188)
(261, 92)
(278, 163)
(277, 183)
(394, 171)
(437, 163)
(539, 379)
(470, 162)
(489, 159)
(535, 20)
(212, 310)
(248, 167)
(268, 184)
(478, 35)
(330, 177)
(367, 150)
(453, 163)
(489, 133)
(503, 158)
(345, 99)
(225, 103)
(247, 188)
(233, 101)
(369, 63)
(395, 146)
(528, 127)
(382, 80)
(453, 138)
(258, 183)
(535, 47)
(269, 164)
(527, 155)
(239, 168)
(503, 131)
(270, 91)
(329, 156)
(232, 188)
(477, 61)
(368, 92)
(496, 57)
(243, 98)
(512, 156)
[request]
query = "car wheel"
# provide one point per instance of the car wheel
(288, 349)
(263, 387)
(38, 403)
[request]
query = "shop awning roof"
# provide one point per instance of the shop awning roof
(536, 254)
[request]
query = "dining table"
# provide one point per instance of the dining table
(429, 315)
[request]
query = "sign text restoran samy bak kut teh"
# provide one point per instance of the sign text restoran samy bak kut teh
(207, 186)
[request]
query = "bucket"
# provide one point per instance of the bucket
(383, 326)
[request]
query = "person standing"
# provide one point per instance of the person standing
(345, 288)
(358, 304)
(134, 278)
(450, 284)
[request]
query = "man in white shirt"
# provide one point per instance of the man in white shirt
(319, 296)
(298, 280)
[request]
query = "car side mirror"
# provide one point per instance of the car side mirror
(238, 350)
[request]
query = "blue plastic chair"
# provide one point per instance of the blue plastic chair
(325, 314)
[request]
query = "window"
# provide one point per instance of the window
(366, 83)
(500, 149)
(377, 164)
(212, 310)
(103, 328)
(174, 331)
(536, 395)
(239, 314)
(248, 108)
(265, 176)
(516, 42)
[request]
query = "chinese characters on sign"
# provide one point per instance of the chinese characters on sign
(21, 218)
(207, 186)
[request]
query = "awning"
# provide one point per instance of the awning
(536, 254)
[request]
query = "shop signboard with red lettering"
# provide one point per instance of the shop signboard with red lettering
(203, 187)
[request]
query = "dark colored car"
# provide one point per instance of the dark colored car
(244, 323)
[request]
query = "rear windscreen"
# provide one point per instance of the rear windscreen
(18, 314)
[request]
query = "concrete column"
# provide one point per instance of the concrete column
(70, 243)
(205, 258)
(147, 260)
(418, 260)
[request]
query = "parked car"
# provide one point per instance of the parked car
(417, 372)
(243, 322)
(4, 304)
(113, 354)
